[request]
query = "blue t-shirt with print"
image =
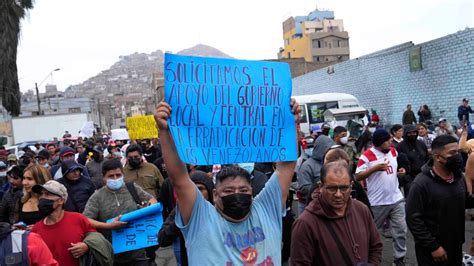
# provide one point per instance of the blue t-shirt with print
(212, 240)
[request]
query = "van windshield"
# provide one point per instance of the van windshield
(316, 110)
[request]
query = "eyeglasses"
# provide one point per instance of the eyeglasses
(342, 188)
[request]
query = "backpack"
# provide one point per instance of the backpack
(14, 248)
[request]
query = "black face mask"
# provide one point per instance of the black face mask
(454, 163)
(237, 205)
(134, 163)
(411, 139)
(45, 206)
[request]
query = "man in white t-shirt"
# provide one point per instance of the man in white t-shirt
(378, 168)
(239, 229)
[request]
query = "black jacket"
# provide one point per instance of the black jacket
(168, 234)
(408, 117)
(258, 182)
(79, 192)
(424, 116)
(435, 210)
(8, 205)
(417, 154)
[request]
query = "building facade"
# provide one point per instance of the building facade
(317, 37)
(439, 73)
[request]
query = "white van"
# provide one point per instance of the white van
(333, 108)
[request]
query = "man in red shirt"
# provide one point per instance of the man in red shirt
(62, 231)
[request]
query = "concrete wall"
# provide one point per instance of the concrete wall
(383, 81)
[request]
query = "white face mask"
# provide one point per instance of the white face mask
(247, 166)
(3, 174)
(372, 129)
(344, 140)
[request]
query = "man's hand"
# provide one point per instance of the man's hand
(402, 172)
(162, 113)
(381, 167)
(439, 255)
(116, 223)
(295, 109)
(78, 249)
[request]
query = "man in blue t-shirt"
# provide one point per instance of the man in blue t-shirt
(238, 230)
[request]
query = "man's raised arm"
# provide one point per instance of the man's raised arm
(286, 170)
(177, 172)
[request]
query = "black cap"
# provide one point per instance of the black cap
(43, 154)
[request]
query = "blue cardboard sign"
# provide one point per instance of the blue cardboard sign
(227, 111)
(141, 230)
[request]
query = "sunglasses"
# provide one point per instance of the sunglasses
(342, 188)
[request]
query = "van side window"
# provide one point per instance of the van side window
(316, 110)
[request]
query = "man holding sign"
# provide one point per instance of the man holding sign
(239, 229)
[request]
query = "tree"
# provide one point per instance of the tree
(11, 13)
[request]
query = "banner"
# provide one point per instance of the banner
(141, 230)
(227, 111)
(119, 134)
(142, 127)
(87, 129)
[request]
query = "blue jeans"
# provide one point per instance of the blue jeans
(396, 214)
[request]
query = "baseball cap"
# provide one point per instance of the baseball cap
(43, 154)
(66, 151)
(53, 187)
(4, 153)
(11, 157)
(442, 120)
(98, 149)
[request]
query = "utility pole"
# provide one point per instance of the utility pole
(98, 111)
(38, 99)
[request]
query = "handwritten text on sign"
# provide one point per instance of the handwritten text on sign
(142, 127)
(230, 111)
(141, 230)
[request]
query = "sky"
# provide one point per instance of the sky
(82, 38)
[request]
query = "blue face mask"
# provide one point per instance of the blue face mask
(247, 167)
(309, 152)
(115, 184)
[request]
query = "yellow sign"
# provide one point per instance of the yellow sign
(142, 127)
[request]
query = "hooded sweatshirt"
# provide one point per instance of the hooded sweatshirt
(416, 152)
(429, 204)
(313, 244)
(310, 170)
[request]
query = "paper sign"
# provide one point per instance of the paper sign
(142, 127)
(227, 111)
(87, 129)
(141, 230)
(120, 134)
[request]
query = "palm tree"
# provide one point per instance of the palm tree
(11, 13)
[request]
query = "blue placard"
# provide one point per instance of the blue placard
(141, 230)
(227, 111)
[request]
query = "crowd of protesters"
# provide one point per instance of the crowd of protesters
(351, 190)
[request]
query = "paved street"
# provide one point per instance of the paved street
(411, 258)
